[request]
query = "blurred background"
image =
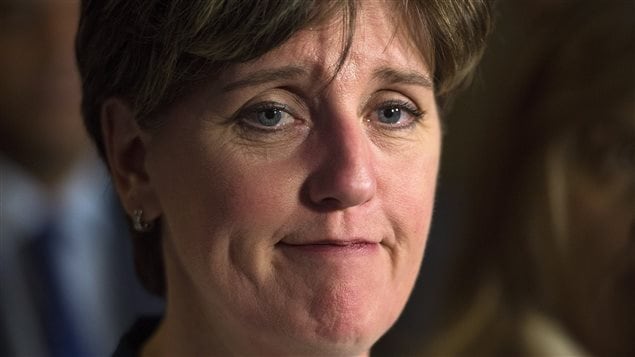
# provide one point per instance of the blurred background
(532, 250)
(68, 287)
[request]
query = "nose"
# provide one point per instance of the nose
(345, 176)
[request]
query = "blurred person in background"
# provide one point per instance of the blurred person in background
(67, 287)
(547, 265)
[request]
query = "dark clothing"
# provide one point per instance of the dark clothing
(132, 342)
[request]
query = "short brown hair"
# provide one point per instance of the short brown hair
(151, 52)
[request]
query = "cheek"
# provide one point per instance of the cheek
(409, 184)
(207, 185)
(257, 197)
(223, 209)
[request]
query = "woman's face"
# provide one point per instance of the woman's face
(296, 201)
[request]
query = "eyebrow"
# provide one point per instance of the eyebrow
(395, 76)
(266, 76)
(386, 74)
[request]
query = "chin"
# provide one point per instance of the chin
(339, 341)
(348, 324)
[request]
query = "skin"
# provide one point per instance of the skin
(303, 240)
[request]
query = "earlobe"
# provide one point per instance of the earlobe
(126, 155)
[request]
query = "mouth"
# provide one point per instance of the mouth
(331, 246)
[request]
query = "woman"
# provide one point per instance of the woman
(548, 266)
(278, 160)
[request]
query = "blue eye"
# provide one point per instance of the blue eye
(390, 115)
(396, 114)
(268, 116)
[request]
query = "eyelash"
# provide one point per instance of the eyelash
(242, 118)
(405, 106)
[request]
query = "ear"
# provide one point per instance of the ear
(126, 146)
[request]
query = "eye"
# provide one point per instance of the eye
(268, 116)
(395, 114)
(390, 115)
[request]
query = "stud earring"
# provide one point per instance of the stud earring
(139, 224)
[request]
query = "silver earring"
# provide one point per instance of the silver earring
(139, 224)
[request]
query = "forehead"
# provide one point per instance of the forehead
(378, 40)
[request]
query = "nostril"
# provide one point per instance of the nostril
(330, 203)
(338, 188)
